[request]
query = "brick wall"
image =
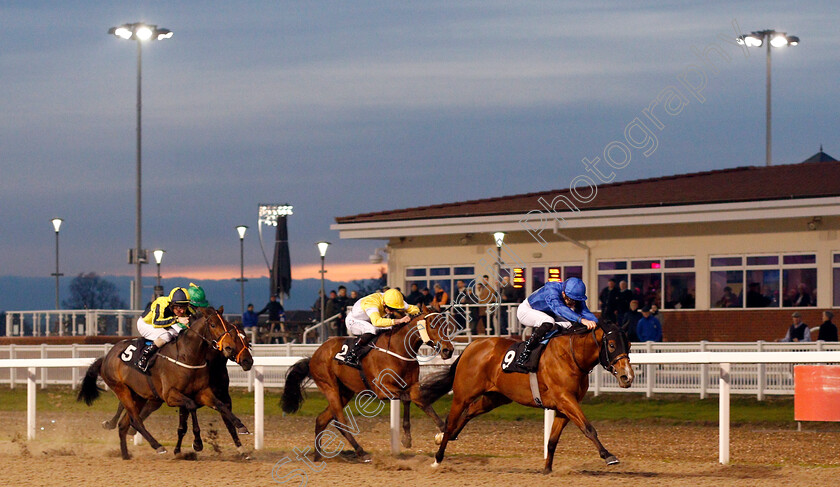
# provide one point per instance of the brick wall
(732, 325)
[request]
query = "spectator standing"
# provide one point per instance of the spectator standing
(609, 302)
(828, 330)
(341, 303)
(414, 296)
(484, 295)
(441, 298)
(623, 303)
(276, 313)
(331, 309)
(354, 296)
(630, 320)
(798, 331)
(427, 297)
(649, 329)
(508, 294)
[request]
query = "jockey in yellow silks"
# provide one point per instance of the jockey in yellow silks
(166, 317)
(372, 315)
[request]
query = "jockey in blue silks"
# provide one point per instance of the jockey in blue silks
(562, 302)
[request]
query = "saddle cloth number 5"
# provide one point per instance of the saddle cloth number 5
(128, 353)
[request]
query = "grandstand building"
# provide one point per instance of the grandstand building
(727, 255)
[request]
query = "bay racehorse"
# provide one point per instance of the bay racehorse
(219, 382)
(179, 377)
(389, 371)
(479, 384)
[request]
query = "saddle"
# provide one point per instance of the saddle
(347, 345)
(509, 360)
(132, 353)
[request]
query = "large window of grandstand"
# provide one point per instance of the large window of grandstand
(764, 281)
(670, 283)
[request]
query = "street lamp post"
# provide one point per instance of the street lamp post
(499, 237)
(322, 249)
(158, 253)
(139, 32)
(241, 229)
(56, 224)
(769, 38)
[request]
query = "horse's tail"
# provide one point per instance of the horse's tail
(436, 385)
(89, 391)
(293, 390)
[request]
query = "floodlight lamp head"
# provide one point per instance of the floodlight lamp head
(322, 248)
(56, 223)
(158, 253)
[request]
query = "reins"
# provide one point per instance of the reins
(217, 344)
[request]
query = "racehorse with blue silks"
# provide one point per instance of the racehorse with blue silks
(479, 383)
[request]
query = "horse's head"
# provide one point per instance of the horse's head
(614, 357)
(435, 331)
(228, 339)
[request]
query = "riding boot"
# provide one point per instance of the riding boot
(531, 343)
(352, 356)
(145, 356)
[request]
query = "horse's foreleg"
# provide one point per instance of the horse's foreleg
(560, 422)
(478, 407)
(206, 397)
(456, 415)
(182, 428)
(571, 408)
(417, 399)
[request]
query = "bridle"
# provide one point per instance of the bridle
(607, 362)
(217, 344)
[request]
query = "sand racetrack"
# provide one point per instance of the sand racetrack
(74, 450)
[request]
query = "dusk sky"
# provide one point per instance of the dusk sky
(341, 108)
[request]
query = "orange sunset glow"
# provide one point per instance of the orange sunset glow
(347, 271)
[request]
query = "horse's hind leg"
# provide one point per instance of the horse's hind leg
(321, 423)
(571, 408)
(133, 418)
(560, 422)
(456, 415)
(483, 404)
(406, 424)
(417, 398)
(336, 403)
(198, 445)
(112, 423)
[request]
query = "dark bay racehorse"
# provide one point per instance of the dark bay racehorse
(219, 382)
(391, 375)
(179, 377)
(479, 384)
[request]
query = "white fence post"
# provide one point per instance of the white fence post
(395, 426)
(762, 374)
(259, 407)
(44, 369)
(704, 372)
(74, 374)
(31, 390)
(12, 371)
(724, 414)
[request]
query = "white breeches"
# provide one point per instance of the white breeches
(359, 327)
(149, 332)
(530, 317)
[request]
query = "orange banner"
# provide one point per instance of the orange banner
(816, 392)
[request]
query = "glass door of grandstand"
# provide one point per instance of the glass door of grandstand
(528, 279)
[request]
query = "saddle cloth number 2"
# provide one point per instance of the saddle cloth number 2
(340, 355)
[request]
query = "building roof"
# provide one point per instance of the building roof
(817, 176)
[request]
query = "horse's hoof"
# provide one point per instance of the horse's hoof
(161, 450)
(198, 445)
(108, 425)
(612, 460)
(546, 471)
(242, 430)
(406, 442)
(438, 438)
(435, 465)
(176, 451)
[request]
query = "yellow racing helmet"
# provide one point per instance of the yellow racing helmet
(394, 299)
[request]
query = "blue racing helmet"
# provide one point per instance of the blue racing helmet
(575, 289)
